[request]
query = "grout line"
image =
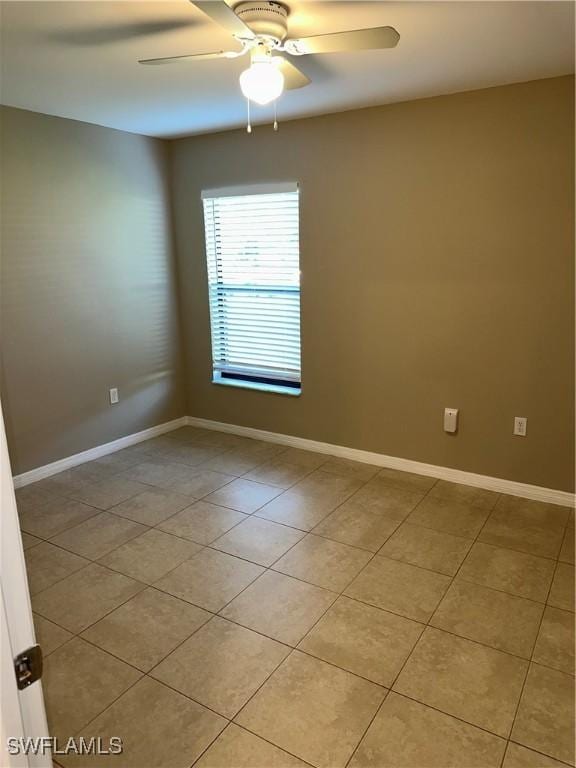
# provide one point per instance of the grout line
(243, 728)
(409, 656)
(519, 744)
(517, 708)
(270, 568)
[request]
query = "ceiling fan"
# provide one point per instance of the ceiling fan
(261, 28)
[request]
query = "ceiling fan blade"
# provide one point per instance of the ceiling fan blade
(194, 57)
(353, 40)
(293, 77)
(222, 14)
(118, 32)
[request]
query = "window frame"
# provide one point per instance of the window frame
(240, 379)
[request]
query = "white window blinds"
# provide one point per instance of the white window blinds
(252, 249)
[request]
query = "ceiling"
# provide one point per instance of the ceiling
(79, 59)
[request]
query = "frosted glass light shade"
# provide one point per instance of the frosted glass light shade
(262, 82)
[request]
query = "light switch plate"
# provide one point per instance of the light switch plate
(114, 396)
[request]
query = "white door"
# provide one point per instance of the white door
(22, 713)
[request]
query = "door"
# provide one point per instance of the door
(22, 713)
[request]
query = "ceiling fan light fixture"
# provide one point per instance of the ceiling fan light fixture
(262, 82)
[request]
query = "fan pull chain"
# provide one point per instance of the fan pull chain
(275, 116)
(249, 126)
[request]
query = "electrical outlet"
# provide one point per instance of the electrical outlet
(520, 425)
(114, 396)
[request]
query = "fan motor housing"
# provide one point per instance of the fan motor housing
(268, 18)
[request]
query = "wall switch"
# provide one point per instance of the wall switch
(114, 395)
(520, 425)
(450, 419)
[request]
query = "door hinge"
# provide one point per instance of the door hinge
(28, 666)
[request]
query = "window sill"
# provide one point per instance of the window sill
(277, 389)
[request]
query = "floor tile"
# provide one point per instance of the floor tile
(149, 557)
(279, 473)
(297, 509)
(98, 535)
(210, 579)
(517, 531)
(188, 453)
(109, 492)
(29, 541)
(466, 494)
(400, 588)
(49, 635)
(146, 628)
(567, 551)
(437, 551)
(322, 562)
(228, 442)
(54, 517)
(156, 472)
(237, 461)
(159, 728)
(156, 445)
(538, 512)
(347, 468)
(194, 434)
(241, 749)
(545, 719)
(79, 681)
(244, 495)
(202, 522)
(152, 506)
(47, 564)
(70, 480)
(522, 757)
(387, 500)
(479, 685)
(407, 480)
(33, 496)
(259, 541)
(137, 450)
(197, 482)
(562, 591)
(493, 618)
(359, 527)
(309, 501)
(118, 461)
(367, 641)
(222, 440)
(406, 734)
(280, 607)
(555, 644)
(514, 572)
(84, 597)
(309, 459)
(449, 516)
(313, 710)
(221, 666)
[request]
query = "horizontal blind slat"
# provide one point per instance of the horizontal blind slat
(252, 249)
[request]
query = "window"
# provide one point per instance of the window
(252, 249)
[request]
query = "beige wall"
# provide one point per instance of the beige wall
(437, 270)
(88, 298)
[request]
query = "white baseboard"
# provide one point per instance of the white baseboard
(497, 484)
(95, 453)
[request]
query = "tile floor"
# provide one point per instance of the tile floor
(225, 603)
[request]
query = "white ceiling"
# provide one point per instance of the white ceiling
(79, 59)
